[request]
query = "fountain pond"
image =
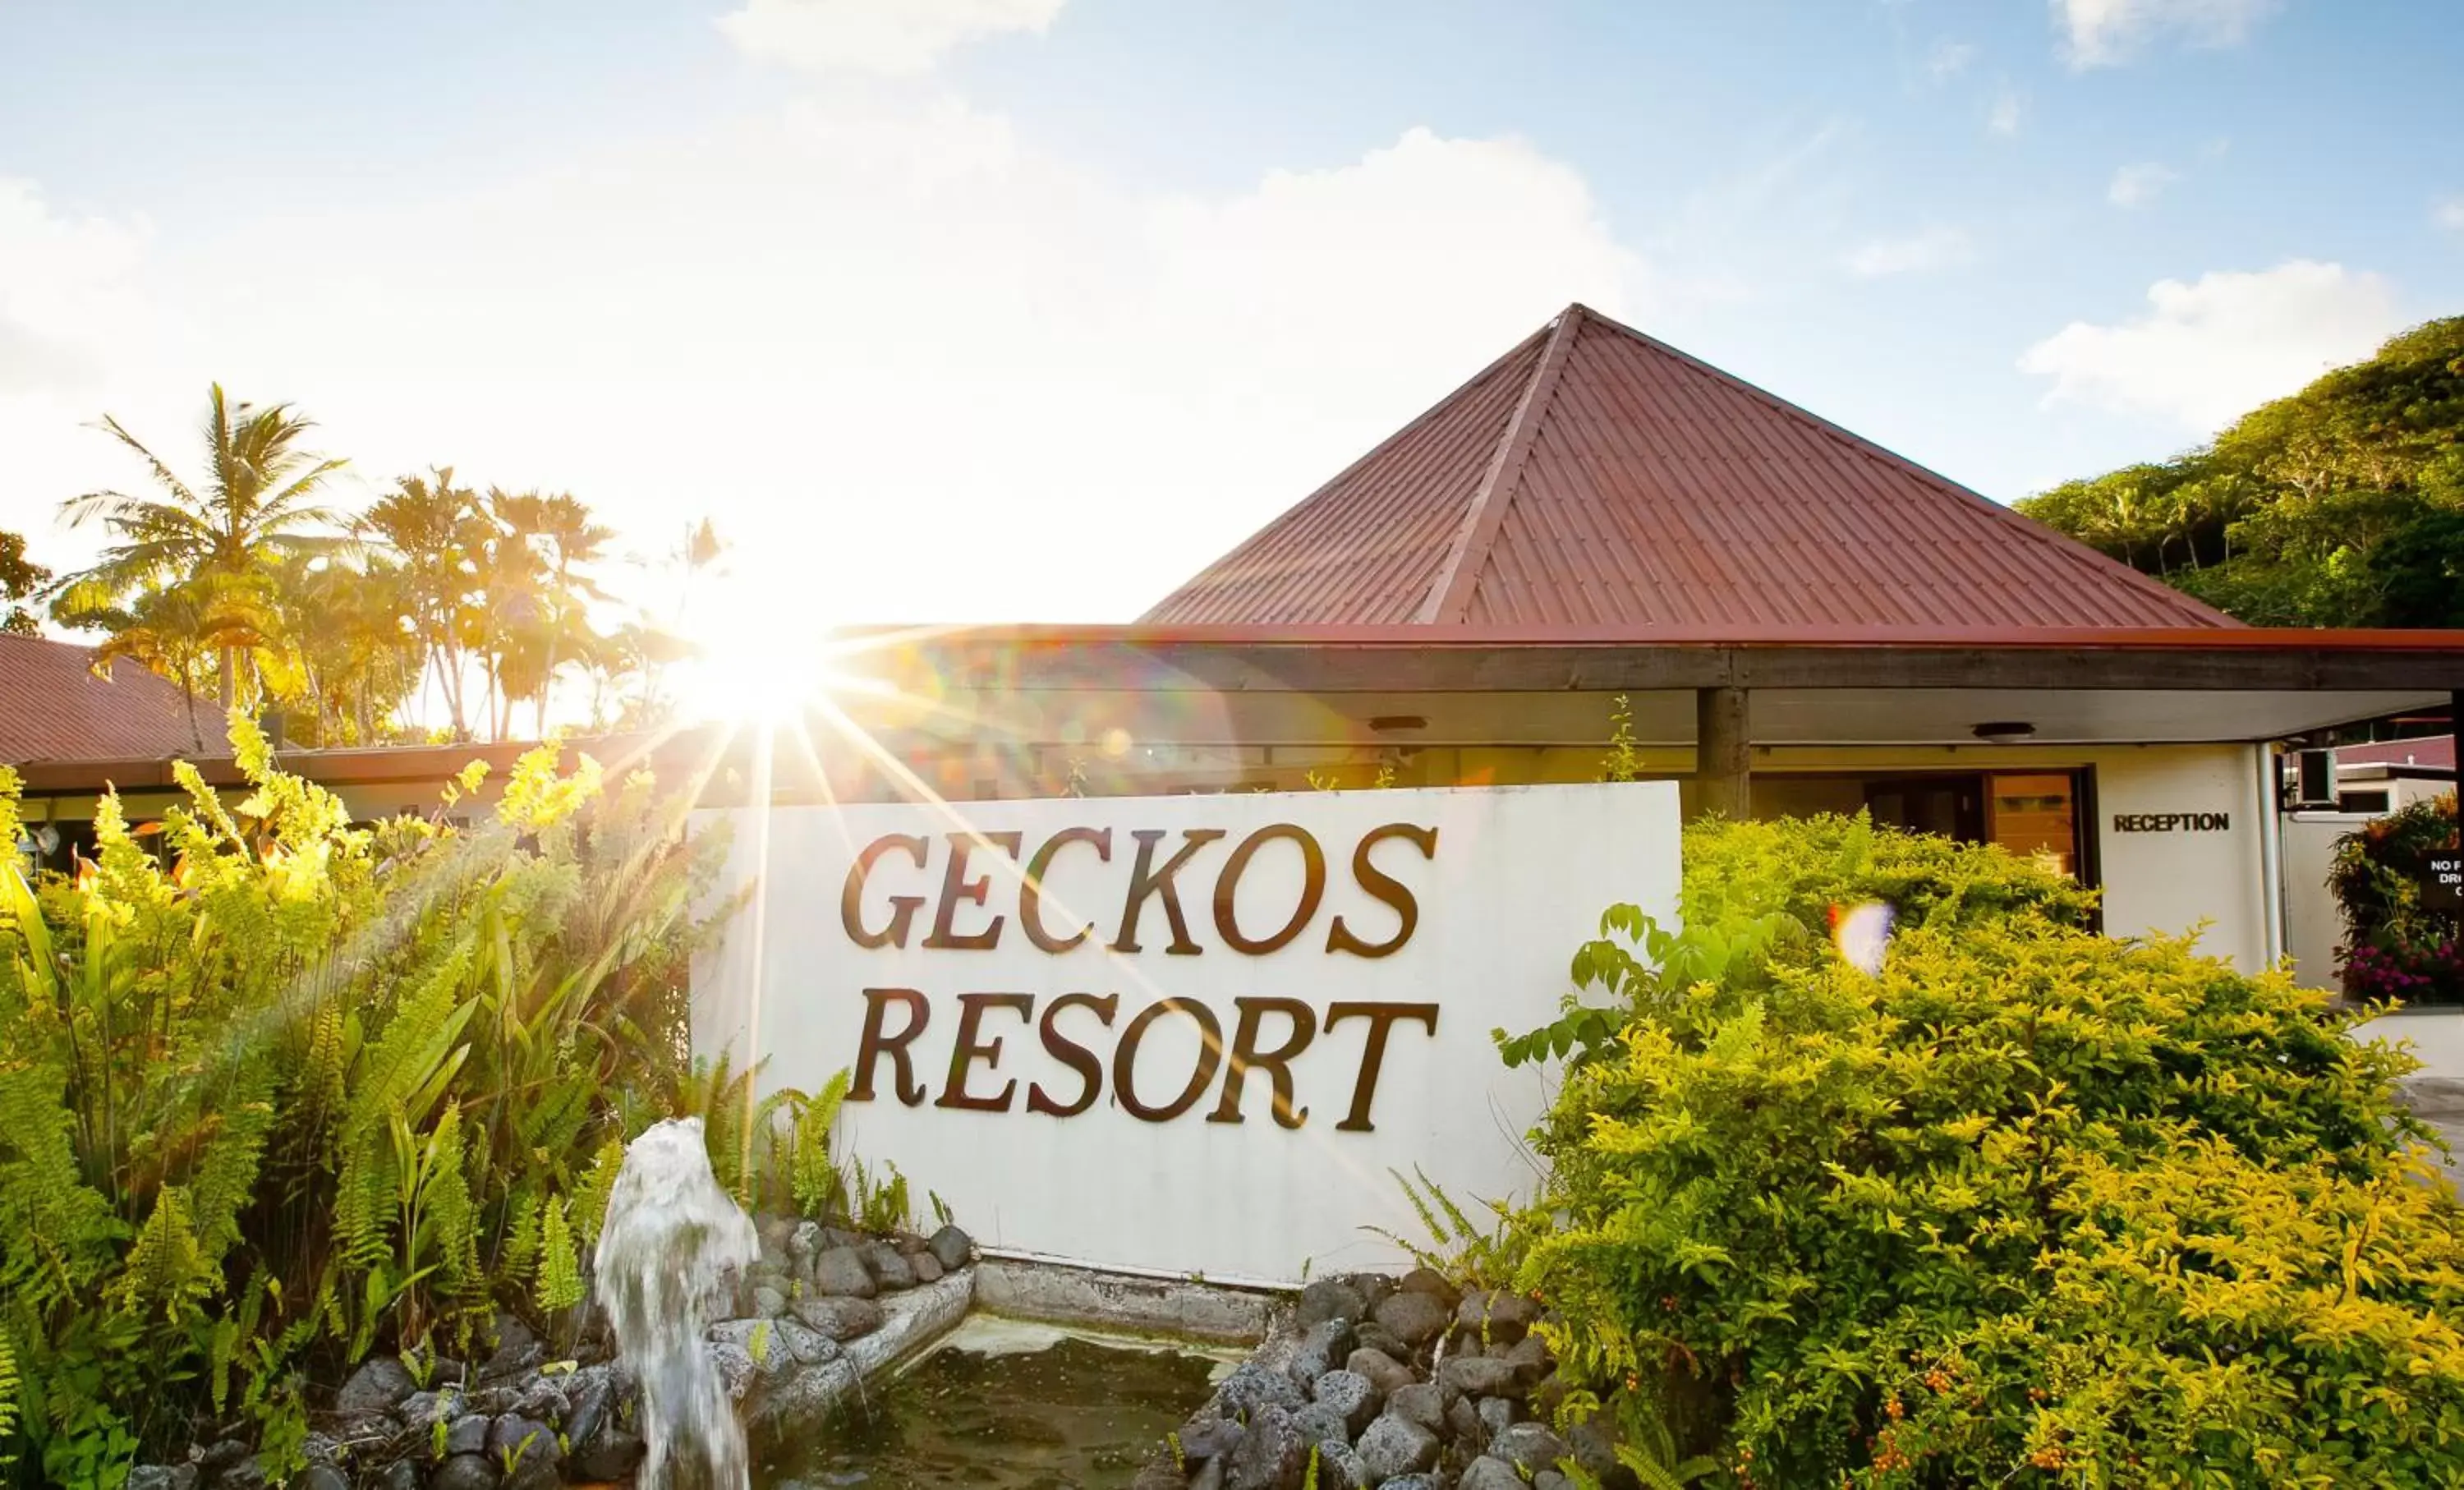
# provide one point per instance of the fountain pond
(1008, 1406)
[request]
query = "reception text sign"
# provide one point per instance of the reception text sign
(1185, 1033)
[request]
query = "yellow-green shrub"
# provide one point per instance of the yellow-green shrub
(2028, 1207)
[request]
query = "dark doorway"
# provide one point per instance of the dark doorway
(1948, 806)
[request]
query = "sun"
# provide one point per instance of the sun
(762, 656)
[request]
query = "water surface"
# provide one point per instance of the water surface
(1007, 1407)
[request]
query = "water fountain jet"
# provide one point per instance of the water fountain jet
(670, 1253)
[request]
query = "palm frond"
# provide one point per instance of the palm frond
(162, 472)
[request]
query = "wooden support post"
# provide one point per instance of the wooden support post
(1723, 758)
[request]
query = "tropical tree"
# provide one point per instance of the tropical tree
(2281, 519)
(433, 527)
(182, 630)
(508, 631)
(351, 656)
(565, 541)
(20, 579)
(628, 676)
(257, 503)
(2420, 572)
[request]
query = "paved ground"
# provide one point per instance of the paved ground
(2441, 1100)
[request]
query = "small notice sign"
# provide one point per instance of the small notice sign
(2442, 882)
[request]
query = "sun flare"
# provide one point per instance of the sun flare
(762, 656)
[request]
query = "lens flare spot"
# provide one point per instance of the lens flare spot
(1862, 934)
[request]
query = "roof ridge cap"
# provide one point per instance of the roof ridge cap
(2020, 523)
(1449, 598)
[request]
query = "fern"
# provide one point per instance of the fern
(1457, 1247)
(9, 1382)
(519, 1259)
(60, 1231)
(398, 1078)
(813, 1174)
(166, 1273)
(880, 1205)
(445, 1205)
(1644, 1445)
(591, 1194)
(250, 1040)
(560, 1273)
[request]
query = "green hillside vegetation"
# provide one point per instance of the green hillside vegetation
(2341, 505)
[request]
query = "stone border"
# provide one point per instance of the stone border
(1379, 1384)
(824, 1313)
(910, 1321)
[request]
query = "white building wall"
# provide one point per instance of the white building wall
(2314, 926)
(2171, 880)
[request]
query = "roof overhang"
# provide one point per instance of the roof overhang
(1432, 659)
(994, 689)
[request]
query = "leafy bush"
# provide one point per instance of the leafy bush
(2392, 948)
(1753, 888)
(2027, 1207)
(1802, 868)
(277, 1091)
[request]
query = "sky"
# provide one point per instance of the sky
(963, 310)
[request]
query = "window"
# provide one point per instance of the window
(2033, 814)
(1951, 806)
(2035, 817)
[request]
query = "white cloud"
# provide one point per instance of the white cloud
(2449, 214)
(1933, 247)
(2004, 118)
(2209, 351)
(2104, 33)
(72, 311)
(896, 38)
(64, 292)
(1949, 59)
(918, 366)
(2140, 184)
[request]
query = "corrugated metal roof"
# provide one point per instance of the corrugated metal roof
(53, 707)
(1595, 477)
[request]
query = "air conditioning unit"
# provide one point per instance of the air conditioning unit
(2314, 780)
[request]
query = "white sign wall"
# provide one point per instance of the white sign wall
(1188, 1034)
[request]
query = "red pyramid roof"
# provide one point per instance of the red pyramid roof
(1595, 477)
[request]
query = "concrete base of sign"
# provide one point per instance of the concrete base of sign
(1036, 1288)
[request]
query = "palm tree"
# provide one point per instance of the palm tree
(353, 652)
(505, 630)
(256, 504)
(640, 653)
(178, 630)
(562, 538)
(433, 526)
